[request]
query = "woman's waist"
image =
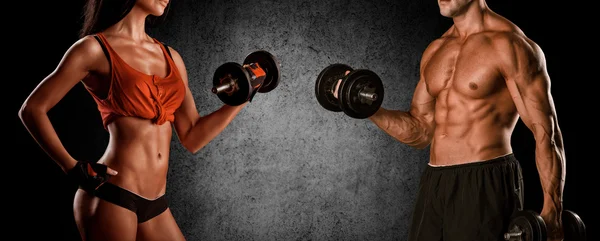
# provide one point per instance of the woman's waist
(142, 174)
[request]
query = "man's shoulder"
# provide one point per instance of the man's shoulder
(510, 45)
(513, 40)
(501, 30)
(432, 47)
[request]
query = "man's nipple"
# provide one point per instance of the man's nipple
(473, 86)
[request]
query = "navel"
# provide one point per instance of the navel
(159, 155)
(473, 86)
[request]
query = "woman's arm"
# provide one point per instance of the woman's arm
(195, 131)
(76, 63)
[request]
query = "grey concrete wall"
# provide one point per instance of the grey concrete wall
(285, 168)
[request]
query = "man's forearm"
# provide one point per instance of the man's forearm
(403, 127)
(550, 161)
(551, 169)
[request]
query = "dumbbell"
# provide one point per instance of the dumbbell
(359, 94)
(235, 83)
(526, 225)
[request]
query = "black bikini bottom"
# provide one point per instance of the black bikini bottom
(144, 208)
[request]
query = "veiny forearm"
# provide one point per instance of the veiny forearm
(403, 126)
(550, 160)
(206, 128)
(38, 124)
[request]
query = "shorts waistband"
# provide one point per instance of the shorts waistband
(495, 160)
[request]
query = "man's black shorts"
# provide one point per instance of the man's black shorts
(467, 202)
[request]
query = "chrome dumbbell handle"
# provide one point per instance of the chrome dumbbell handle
(368, 95)
(513, 236)
(226, 85)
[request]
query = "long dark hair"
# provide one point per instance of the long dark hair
(98, 15)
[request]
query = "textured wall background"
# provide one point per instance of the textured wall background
(285, 168)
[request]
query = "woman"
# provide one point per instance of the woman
(141, 88)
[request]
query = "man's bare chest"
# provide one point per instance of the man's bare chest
(467, 69)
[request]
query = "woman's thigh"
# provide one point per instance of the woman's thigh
(161, 227)
(98, 220)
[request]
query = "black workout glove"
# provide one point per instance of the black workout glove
(89, 175)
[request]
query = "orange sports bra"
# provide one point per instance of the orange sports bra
(136, 94)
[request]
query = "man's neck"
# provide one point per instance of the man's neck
(471, 20)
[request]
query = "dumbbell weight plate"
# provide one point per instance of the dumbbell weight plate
(325, 84)
(573, 226)
(270, 65)
(349, 100)
(236, 71)
(530, 224)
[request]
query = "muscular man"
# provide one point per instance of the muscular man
(475, 82)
